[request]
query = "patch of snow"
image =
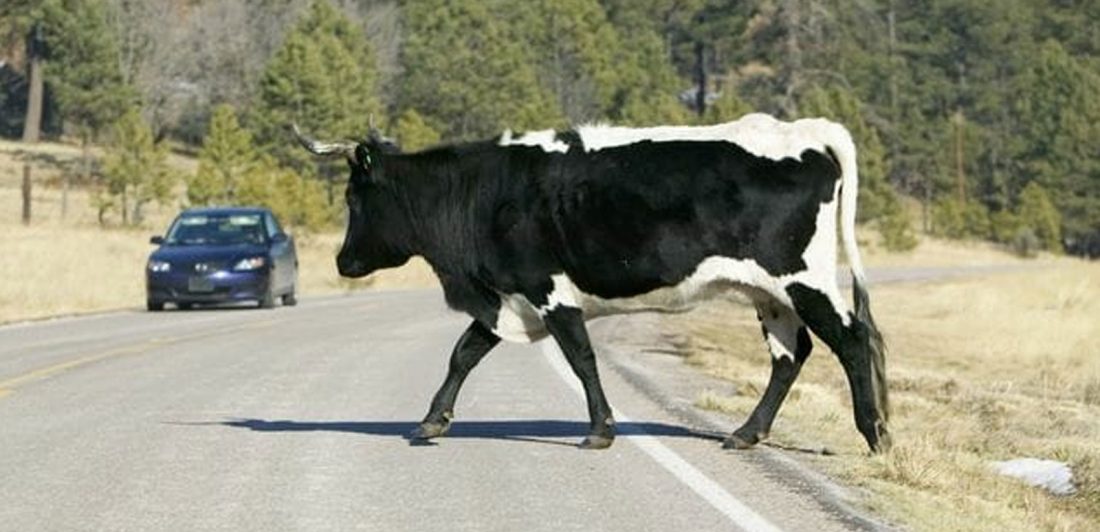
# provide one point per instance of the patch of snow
(1051, 475)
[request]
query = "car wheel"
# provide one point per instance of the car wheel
(185, 306)
(153, 306)
(268, 299)
(289, 299)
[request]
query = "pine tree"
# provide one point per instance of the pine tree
(82, 68)
(648, 88)
(1058, 124)
(297, 201)
(227, 155)
(414, 133)
(573, 47)
(468, 73)
(135, 171)
(1037, 213)
(324, 79)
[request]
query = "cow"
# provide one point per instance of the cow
(533, 234)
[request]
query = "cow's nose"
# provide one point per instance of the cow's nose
(349, 267)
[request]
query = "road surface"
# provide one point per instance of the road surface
(296, 419)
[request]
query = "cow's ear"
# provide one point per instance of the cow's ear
(362, 157)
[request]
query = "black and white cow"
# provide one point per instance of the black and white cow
(531, 235)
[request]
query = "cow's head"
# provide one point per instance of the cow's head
(377, 231)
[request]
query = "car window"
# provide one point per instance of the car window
(217, 229)
(272, 226)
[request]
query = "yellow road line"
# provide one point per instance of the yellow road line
(7, 386)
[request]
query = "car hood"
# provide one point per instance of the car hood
(201, 253)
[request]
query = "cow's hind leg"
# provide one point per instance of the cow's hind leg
(859, 347)
(566, 325)
(790, 346)
(471, 347)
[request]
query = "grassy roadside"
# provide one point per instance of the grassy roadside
(992, 368)
(70, 265)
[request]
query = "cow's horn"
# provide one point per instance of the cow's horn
(323, 148)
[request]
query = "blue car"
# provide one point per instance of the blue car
(222, 255)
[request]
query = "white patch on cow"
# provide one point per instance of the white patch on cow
(781, 329)
(820, 258)
(545, 139)
(518, 321)
(564, 294)
(759, 134)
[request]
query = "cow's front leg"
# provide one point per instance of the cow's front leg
(471, 347)
(566, 325)
(790, 346)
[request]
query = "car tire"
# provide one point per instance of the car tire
(154, 306)
(268, 299)
(289, 299)
(185, 306)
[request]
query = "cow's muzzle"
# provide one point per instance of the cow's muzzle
(349, 267)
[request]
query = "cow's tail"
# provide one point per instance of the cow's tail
(845, 152)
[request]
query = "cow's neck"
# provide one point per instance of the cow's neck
(440, 213)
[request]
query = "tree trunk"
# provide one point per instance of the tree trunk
(139, 214)
(700, 80)
(32, 125)
(960, 174)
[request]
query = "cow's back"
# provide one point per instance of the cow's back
(637, 218)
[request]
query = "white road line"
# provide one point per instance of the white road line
(712, 492)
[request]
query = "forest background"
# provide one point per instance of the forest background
(974, 119)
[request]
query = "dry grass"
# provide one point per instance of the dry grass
(69, 265)
(980, 369)
(54, 269)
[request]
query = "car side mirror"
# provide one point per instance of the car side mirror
(279, 238)
(158, 240)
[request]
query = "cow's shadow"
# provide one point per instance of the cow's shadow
(541, 431)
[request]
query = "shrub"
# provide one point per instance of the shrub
(1025, 243)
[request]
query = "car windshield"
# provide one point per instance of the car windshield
(217, 229)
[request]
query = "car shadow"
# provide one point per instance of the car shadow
(539, 431)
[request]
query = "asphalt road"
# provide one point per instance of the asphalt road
(296, 419)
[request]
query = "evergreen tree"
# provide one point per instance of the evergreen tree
(135, 171)
(226, 157)
(467, 72)
(297, 201)
(414, 133)
(1037, 213)
(324, 79)
(1058, 124)
(82, 69)
(573, 47)
(648, 88)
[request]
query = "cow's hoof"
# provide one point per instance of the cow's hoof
(742, 439)
(885, 441)
(427, 431)
(595, 441)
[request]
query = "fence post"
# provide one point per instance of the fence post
(26, 194)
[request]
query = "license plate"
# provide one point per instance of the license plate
(200, 284)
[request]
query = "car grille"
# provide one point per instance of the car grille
(203, 267)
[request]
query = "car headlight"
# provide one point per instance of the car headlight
(159, 266)
(251, 263)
